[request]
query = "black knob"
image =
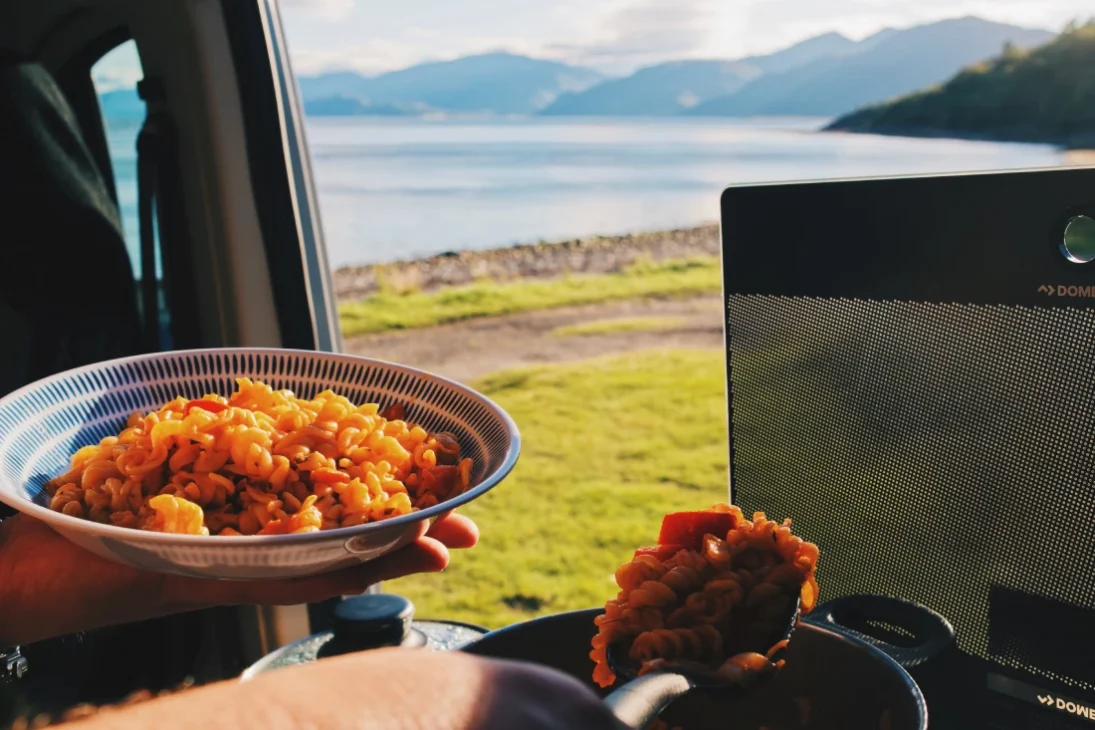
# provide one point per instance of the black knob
(370, 622)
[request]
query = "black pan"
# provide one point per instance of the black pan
(834, 677)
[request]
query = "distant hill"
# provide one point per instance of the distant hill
(1042, 95)
(500, 83)
(122, 106)
(891, 64)
(827, 45)
(669, 88)
(662, 90)
(335, 83)
(340, 105)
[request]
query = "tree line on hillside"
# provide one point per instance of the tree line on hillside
(1046, 94)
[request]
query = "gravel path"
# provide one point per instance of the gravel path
(467, 350)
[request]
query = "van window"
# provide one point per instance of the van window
(525, 197)
(123, 112)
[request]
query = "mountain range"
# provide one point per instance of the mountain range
(495, 83)
(827, 76)
(823, 76)
(897, 63)
(669, 88)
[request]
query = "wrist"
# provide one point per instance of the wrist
(8, 642)
(13, 665)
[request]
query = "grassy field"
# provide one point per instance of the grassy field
(619, 325)
(610, 445)
(395, 311)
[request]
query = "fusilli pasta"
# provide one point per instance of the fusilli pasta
(723, 603)
(262, 462)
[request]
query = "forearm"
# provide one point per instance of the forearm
(391, 689)
(222, 706)
(44, 594)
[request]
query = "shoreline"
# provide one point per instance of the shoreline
(543, 260)
(606, 254)
(1078, 143)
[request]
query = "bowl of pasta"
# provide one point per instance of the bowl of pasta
(248, 463)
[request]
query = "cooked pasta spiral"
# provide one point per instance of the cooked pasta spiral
(722, 603)
(700, 644)
(261, 462)
(631, 575)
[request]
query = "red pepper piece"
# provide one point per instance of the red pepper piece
(443, 481)
(394, 412)
(688, 528)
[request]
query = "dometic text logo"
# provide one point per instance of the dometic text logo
(1040, 696)
(1068, 706)
(1062, 290)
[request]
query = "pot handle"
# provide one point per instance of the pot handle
(638, 702)
(934, 634)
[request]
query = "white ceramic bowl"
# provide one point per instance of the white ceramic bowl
(42, 424)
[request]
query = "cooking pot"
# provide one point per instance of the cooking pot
(845, 665)
(836, 676)
(365, 622)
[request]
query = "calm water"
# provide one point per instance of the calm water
(393, 189)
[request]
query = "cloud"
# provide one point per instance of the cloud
(118, 69)
(369, 58)
(779, 20)
(329, 9)
(630, 33)
(418, 46)
(634, 33)
(615, 36)
(115, 79)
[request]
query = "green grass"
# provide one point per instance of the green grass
(619, 325)
(392, 310)
(610, 445)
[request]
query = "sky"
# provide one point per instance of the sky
(614, 36)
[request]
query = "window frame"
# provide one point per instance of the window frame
(281, 174)
(284, 190)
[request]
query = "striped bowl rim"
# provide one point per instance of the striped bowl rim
(133, 535)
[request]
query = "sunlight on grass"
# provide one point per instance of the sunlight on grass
(392, 310)
(623, 324)
(610, 445)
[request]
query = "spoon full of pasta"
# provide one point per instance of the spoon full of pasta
(712, 606)
(655, 684)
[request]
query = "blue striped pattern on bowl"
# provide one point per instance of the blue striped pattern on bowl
(42, 424)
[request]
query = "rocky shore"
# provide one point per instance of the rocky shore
(595, 255)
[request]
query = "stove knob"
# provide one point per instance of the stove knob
(370, 622)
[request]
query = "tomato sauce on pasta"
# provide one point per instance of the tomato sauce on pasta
(261, 462)
(718, 599)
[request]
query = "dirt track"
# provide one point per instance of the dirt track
(466, 350)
